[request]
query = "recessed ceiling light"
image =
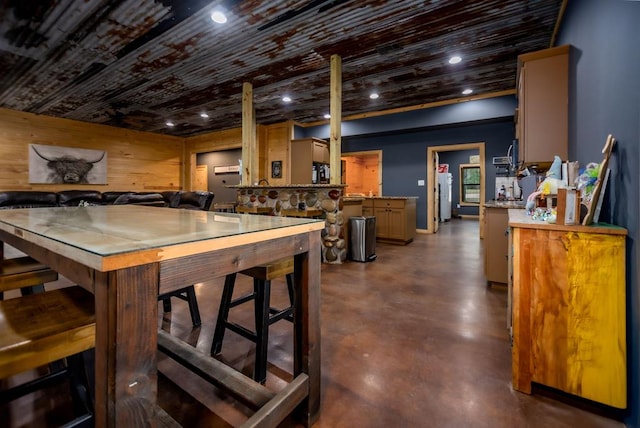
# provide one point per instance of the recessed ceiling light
(286, 99)
(374, 96)
(204, 115)
(467, 91)
(327, 116)
(218, 17)
(455, 59)
(170, 124)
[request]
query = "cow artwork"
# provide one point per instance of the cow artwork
(63, 165)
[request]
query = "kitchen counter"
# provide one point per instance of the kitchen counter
(288, 186)
(402, 198)
(303, 200)
(504, 204)
(520, 218)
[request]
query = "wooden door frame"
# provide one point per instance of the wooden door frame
(431, 178)
(378, 153)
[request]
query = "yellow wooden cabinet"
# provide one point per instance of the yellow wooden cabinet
(395, 219)
(495, 244)
(304, 153)
(568, 309)
(367, 207)
(542, 119)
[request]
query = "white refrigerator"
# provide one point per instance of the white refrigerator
(445, 180)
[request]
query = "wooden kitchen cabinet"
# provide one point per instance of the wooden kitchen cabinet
(568, 309)
(496, 244)
(304, 153)
(395, 219)
(367, 207)
(542, 119)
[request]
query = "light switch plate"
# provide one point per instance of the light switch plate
(420, 182)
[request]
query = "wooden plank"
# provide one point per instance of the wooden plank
(24, 272)
(38, 329)
(521, 346)
(222, 376)
(74, 271)
(178, 273)
(294, 212)
(79, 256)
(136, 159)
(249, 148)
(519, 218)
(335, 124)
(164, 420)
(307, 327)
(126, 374)
(280, 406)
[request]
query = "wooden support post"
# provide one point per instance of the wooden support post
(249, 146)
(335, 109)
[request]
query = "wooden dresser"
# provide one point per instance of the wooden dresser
(568, 308)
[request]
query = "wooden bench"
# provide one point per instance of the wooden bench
(24, 273)
(39, 329)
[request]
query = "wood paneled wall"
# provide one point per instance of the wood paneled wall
(210, 142)
(138, 161)
(362, 174)
(277, 141)
(273, 144)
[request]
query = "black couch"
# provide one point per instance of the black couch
(196, 200)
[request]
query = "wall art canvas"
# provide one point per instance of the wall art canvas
(66, 165)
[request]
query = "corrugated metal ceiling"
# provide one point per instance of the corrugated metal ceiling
(140, 63)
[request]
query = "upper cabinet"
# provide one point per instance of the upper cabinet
(304, 153)
(543, 105)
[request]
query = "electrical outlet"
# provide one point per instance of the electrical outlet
(420, 182)
(457, 205)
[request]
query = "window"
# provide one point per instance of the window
(469, 184)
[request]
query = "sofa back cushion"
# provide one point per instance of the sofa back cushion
(196, 200)
(73, 198)
(27, 199)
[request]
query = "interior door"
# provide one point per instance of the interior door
(435, 209)
(202, 182)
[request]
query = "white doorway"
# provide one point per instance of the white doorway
(432, 183)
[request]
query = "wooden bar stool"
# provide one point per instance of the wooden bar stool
(44, 328)
(25, 273)
(264, 314)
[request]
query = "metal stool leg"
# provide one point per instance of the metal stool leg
(193, 306)
(223, 314)
(263, 293)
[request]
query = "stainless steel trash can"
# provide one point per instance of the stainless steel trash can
(363, 238)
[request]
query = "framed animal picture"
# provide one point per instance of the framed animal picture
(66, 165)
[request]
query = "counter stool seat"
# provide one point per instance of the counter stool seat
(43, 329)
(25, 273)
(264, 314)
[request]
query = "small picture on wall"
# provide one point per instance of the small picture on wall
(66, 165)
(276, 169)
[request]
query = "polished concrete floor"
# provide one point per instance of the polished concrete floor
(413, 339)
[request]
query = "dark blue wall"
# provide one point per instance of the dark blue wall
(404, 155)
(605, 99)
(470, 111)
(404, 138)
